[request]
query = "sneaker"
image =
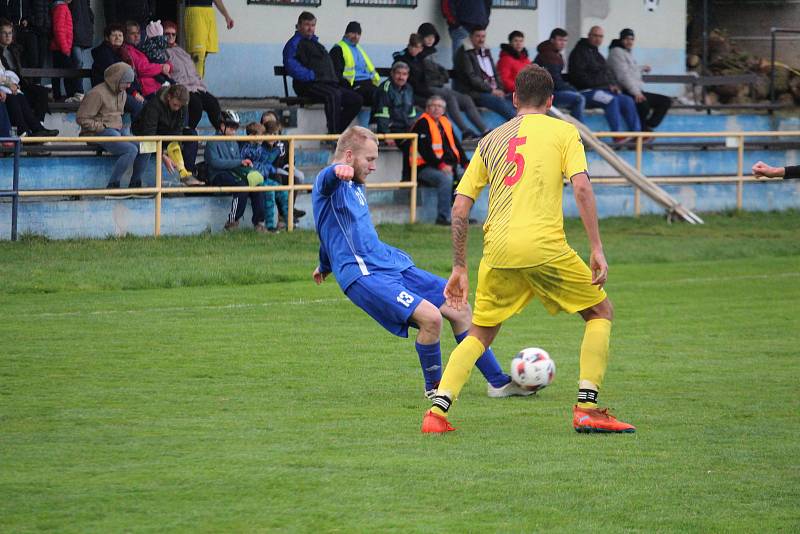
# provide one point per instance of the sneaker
(595, 420)
(430, 393)
(441, 221)
(191, 181)
(434, 423)
(298, 214)
(512, 389)
(231, 225)
(261, 229)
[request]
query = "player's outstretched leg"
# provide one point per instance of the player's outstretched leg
(429, 320)
(586, 415)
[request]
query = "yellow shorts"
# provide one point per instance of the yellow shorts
(200, 25)
(563, 284)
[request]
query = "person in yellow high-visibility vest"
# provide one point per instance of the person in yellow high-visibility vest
(353, 65)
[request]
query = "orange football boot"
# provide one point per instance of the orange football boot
(434, 423)
(596, 420)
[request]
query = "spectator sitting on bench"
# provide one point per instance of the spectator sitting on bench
(100, 115)
(19, 111)
(394, 111)
(589, 72)
(549, 57)
(353, 65)
(476, 75)
(652, 107)
(150, 75)
(428, 78)
(262, 162)
(61, 47)
(226, 168)
(279, 155)
(314, 76)
(439, 155)
(185, 73)
(513, 58)
(165, 114)
(113, 50)
(12, 57)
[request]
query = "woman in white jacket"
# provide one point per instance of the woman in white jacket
(19, 110)
(651, 107)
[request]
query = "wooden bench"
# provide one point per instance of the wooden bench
(54, 73)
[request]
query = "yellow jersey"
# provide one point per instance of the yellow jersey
(524, 162)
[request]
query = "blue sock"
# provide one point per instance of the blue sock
(488, 365)
(430, 359)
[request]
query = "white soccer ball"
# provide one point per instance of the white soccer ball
(533, 369)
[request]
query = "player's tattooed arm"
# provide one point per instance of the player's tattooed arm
(460, 229)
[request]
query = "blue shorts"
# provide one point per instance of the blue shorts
(391, 298)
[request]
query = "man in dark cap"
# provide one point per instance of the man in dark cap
(353, 65)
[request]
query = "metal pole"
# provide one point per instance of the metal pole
(413, 206)
(15, 187)
(772, 66)
(290, 214)
(740, 173)
(705, 70)
(159, 155)
(637, 201)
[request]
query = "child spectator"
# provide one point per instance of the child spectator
(262, 162)
(154, 45)
(226, 167)
(280, 152)
(61, 46)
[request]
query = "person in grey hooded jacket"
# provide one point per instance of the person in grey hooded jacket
(651, 107)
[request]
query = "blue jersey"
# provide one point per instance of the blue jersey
(349, 245)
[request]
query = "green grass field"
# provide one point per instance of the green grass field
(205, 384)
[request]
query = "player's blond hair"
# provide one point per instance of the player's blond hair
(353, 139)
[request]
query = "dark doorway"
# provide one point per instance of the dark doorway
(166, 10)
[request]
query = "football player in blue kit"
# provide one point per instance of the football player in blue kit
(380, 279)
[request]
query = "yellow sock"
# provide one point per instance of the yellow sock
(176, 155)
(594, 354)
(199, 62)
(458, 368)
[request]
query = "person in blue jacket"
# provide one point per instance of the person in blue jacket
(379, 278)
(226, 167)
(314, 76)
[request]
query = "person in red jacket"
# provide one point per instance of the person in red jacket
(513, 58)
(150, 75)
(61, 46)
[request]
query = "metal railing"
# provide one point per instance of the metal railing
(733, 140)
(160, 189)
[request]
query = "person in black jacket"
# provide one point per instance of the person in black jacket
(428, 78)
(111, 51)
(31, 19)
(549, 56)
(166, 114)
(12, 57)
(82, 35)
(313, 75)
(590, 74)
(476, 75)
